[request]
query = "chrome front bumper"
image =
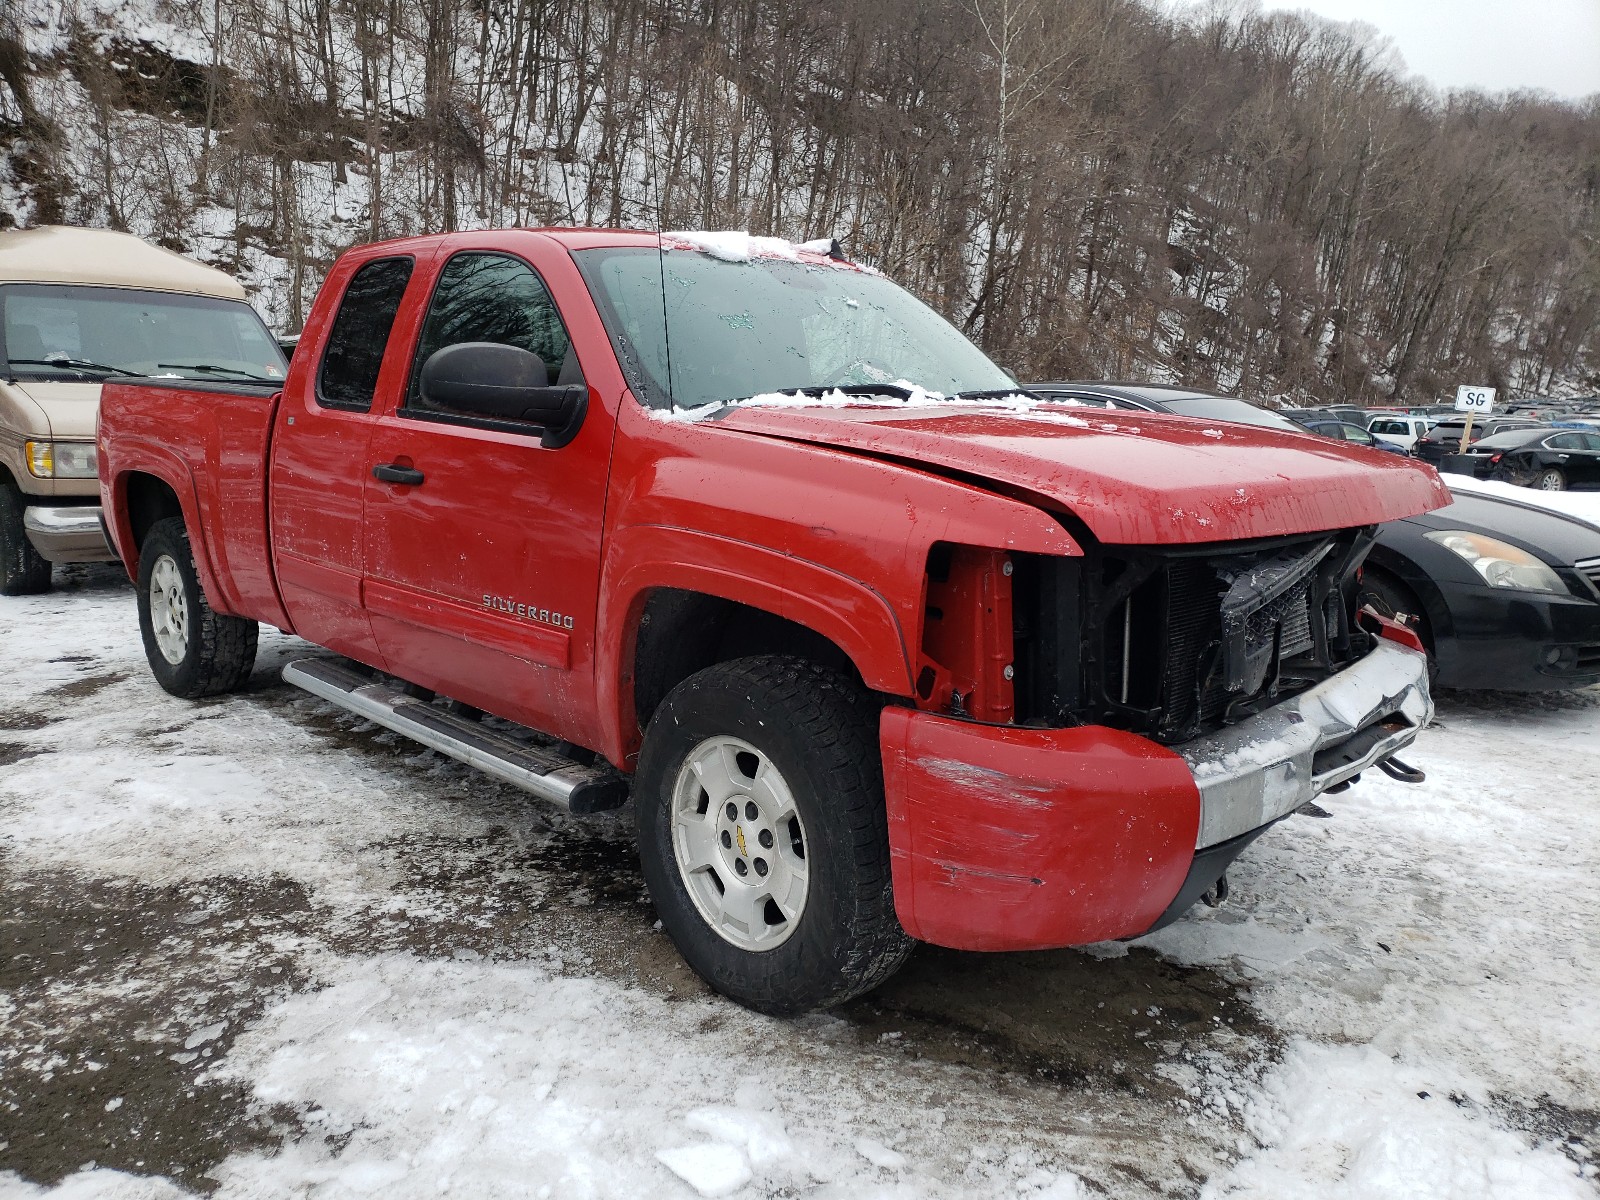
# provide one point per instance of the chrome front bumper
(1252, 773)
(67, 534)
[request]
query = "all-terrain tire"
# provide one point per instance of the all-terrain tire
(1550, 479)
(816, 732)
(22, 571)
(192, 649)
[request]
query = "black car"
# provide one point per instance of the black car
(1183, 402)
(1549, 459)
(1344, 431)
(1329, 412)
(1445, 437)
(1507, 593)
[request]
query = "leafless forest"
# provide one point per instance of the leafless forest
(1252, 201)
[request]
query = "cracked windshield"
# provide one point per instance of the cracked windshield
(693, 329)
(79, 334)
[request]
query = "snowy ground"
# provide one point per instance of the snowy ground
(248, 948)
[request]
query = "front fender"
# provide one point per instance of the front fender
(834, 540)
(849, 613)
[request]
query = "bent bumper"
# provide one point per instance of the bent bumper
(1006, 838)
(68, 534)
(1252, 773)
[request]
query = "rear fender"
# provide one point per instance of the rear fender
(160, 463)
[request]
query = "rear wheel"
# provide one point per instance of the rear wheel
(1550, 479)
(759, 803)
(192, 649)
(22, 571)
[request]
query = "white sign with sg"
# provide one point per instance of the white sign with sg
(1475, 402)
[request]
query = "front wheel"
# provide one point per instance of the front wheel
(23, 572)
(1551, 480)
(192, 649)
(762, 834)
(1393, 599)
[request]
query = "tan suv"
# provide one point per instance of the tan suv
(78, 306)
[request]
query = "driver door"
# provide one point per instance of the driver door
(483, 547)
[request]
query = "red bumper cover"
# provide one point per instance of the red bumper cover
(1030, 839)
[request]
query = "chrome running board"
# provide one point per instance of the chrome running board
(549, 775)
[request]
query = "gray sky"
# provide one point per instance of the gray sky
(1493, 45)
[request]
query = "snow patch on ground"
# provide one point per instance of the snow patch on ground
(1350, 1123)
(1437, 938)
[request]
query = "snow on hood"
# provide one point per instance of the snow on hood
(919, 397)
(1145, 479)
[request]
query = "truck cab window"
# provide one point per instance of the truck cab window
(360, 332)
(492, 297)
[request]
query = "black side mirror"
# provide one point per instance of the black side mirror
(504, 383)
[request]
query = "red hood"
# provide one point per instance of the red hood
(1133, 479)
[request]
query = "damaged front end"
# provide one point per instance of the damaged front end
(1174, 642)
(1245, 658)
(1166, 706)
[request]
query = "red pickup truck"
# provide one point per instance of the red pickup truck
(881, 648)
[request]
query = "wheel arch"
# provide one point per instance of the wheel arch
(669, 620)
(681, 632)
(1398, 570)
(147, 499)
(141, 497)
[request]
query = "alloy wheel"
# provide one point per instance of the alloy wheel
(739, 843)
(169, 610)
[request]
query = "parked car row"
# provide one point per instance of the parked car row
(1515, 446)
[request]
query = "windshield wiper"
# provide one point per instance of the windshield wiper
(820, 390)
(994, 394)
(75, 364)
(213, 368)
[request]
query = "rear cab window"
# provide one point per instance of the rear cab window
(353, 357)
